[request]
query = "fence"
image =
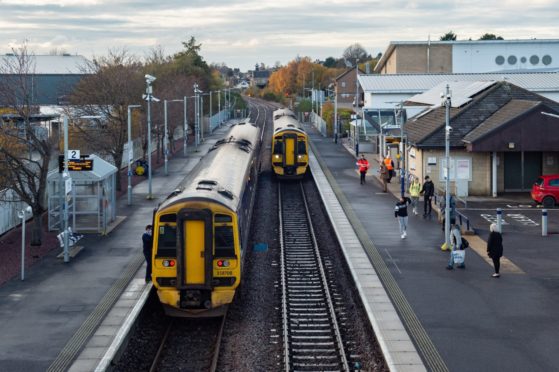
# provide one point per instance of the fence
(319, 123)
(9, 207)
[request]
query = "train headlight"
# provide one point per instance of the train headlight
(276, 157)
(223, 263)
(299, 157)
(168, 263)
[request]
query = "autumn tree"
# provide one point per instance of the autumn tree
(115, 82)
(25, 147)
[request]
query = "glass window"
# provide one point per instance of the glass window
(167, 241)
(554, 182)
(278, 147)
(301, 148)
(224, 241)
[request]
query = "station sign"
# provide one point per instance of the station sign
(76, 165)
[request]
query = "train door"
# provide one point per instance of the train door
(194, 236)
(290, 141)
(194, 254)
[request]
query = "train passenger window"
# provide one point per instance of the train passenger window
(278, 147)
(167, 241)
(168, 218)
(223, 218)
(224, 241)
(301, 148)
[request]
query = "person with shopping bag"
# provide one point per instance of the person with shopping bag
(457, 254)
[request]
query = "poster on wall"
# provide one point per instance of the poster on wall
(462, 169)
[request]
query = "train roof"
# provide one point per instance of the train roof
(283, 112)
(284, 123)
(220, 175)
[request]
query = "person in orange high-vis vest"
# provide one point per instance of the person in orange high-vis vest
(363, 165)
(389, 164)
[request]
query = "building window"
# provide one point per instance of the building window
(512, 60)
(343, 84)
(546, 60)
(500, 60)
(534, 59)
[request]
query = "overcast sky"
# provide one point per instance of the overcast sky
(241, 33)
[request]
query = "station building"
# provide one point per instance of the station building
(502, 137)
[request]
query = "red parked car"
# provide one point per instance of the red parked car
(545, 190)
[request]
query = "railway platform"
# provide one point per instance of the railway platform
(459, 320)
(47, 320)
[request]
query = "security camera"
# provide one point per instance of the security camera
(28, 209)
(448, 128)
(150, 79)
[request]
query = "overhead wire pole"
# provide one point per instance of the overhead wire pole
(185, 129)
(335, 112)
(357, 131)
(402, 152)
(447, 104)
(165, 138)
(130, 153)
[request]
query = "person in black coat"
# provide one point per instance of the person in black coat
(428, 191)
(495, 248)
(147, 240)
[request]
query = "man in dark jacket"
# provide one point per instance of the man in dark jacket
(401, 212)
(147, 240)
(495, 248)
(428, 190)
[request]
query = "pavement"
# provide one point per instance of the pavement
(39, 316)
(477, 323)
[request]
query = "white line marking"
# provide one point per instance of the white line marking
(392, 260)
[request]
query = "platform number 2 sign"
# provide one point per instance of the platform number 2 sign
(73, 154)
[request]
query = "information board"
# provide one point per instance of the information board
(75, 165)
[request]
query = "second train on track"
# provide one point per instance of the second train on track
(290, 155)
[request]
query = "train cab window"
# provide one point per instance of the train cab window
(167, 241)
(224, 241)
(301, 147)
(278, 147)
(223, 218)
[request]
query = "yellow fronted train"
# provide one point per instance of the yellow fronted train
(200, 231)
(290, 157)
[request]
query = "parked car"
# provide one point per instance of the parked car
(545, 190)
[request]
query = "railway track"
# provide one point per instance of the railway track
(190, 345)
(311, 335)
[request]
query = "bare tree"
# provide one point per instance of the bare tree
(354, 52)
(25, 147)
(116, 82)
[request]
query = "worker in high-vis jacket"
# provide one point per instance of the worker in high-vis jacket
(363, 165)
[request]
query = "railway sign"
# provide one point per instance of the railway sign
(76, 165)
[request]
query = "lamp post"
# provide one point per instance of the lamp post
(335, 112)
(149, 97)
(66, 181)
(219, 105)
(185, 129)
(447, 104)
(357, 107)
(23, 215)
(130, 152)
(196, 116)
(402, 152)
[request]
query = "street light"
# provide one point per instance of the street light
(196, 115)
(130, 151)
(402, 152)
(166, 136)
(23, 215)
(447, 104)
(149, 97)
(357, 106)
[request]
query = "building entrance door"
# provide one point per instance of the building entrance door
(532, 168)
(521, 170)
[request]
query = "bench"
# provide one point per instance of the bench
(72, 238)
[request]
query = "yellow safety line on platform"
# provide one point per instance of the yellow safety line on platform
(480, 247)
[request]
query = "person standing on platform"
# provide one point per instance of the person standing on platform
(401, 213)
(415, 189)
(456, 245)
(389, 164)
(363, 165)
(383, 177)
(147, 240)
(428, 190)
(495, 248)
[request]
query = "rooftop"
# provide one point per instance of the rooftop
(49, 65)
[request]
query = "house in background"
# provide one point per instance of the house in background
(469, 56)
(500, 140)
